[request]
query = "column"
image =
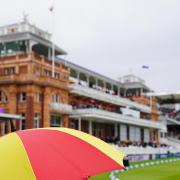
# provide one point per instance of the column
(65, 120)
(27, 46)
(115, 130)
(5, 52)
(79, 124)
(2, 128)
(125, 93)
(49, 53)
(141, 91)
(87, 81)
(90, 127)
(46, 110)
(123, 132)
(118, 91)
(78, 76)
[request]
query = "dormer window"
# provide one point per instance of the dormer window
(12, 30)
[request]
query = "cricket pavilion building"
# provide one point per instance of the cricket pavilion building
(75, 97)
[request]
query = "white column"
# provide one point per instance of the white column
(87, 80)
(90, 127)
(27, 46)
(118, 93)
(79, 124)
(123, 132)
(125, 92)
(141, 91)
(49, 53)
(78, 76)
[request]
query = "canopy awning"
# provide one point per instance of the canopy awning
(5, 116)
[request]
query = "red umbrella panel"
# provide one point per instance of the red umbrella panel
(55, 153)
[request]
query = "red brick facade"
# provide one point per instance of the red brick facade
(26, 87)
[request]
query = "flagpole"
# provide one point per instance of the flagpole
(53, 44)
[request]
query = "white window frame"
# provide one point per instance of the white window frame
(36, 119)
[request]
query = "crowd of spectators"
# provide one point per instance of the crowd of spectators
(94, 106)
(171, 113)
(99, 88)
(137, 144)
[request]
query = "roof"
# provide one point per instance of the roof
(4, 116)
(132, 81)
(90, 72)
(164, 97)
(26, 31)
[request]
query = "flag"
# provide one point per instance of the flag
(145, 67)
(51, 9)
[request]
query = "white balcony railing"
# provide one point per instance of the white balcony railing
(102, 96)
(62, 108)
(111, 116)
(169, 120)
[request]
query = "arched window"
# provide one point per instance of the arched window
(3, 97)
(56, 98)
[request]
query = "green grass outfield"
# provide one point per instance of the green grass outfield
(167, 171)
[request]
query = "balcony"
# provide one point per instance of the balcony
(61, 108)
(169, 121)
(102, 115)
(31, 78)
(102, 96)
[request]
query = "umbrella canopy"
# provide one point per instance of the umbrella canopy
(55, 153)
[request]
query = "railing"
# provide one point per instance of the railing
(44, 80)
(23, 27)
(148, 150)
(170, 120)
(173, 142)
(114, 99)
(111, 116)
(62, 108)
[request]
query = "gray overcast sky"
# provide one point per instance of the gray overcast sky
(112, 37)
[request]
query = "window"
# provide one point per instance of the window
(55, 98)
(55, 121)
(47, 73)
(161, 134)
(36, 120)
(37, 97)
(3, 97)
(22, 122)
(37, 71)
(12, 29)
(9, 70)
(22, 97)
(57, 75)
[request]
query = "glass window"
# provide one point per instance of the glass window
(56, 98)
(9, 70)
(36, 120)
(37, 97)
(3, 97)
(55, 121)
(22, 97)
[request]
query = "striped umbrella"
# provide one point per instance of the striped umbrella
(55, 154)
